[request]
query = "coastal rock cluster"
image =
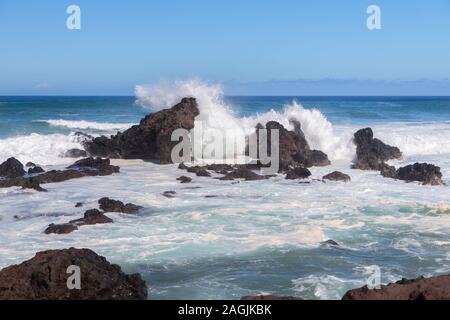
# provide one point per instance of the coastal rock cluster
(45, 277)
(372, 154)
(94, 216)
(14, 175)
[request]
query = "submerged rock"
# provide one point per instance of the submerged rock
(45, 277)
(169, 194)
(330, 243)
(435, 288)
(109, 205)
(298, 173)
(372, 153)
(337, 176)
(12, 168)
(243, 173)
(151, 138)
(184, 179)
(92, 217)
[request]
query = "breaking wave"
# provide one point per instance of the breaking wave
(216, 114)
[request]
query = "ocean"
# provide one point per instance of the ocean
(249, 238)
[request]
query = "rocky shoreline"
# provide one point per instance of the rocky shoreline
(46, 277)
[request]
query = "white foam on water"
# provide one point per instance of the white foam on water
(42, 149)
(87, 125)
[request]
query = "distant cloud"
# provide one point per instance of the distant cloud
(42, 86)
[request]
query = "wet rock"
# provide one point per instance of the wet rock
(92, 217)
(75, 153)
(30, 165)
(32, 183)
(388, 171)
(12, 168)
(109, 205)
(337, 176)
(199, 171)
(268, 298)
(89, 167)
(294, 150)
(426, 173)
(169, 194)
(372, 153)
(203, 173)
(242, 173)
(298, 173)
(35, 170)
(182, 166)
(184, 179)
(94, 163)
(45, 277)
(64, 228)
(330, 243)
(151, 138)
(435, 288)
(79, 205)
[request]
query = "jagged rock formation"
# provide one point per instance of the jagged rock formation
(149, 140)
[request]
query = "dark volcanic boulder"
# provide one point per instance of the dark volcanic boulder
(35, 170)
(436, 288)
(242, 173)
(92, 217)
(75, 153)
(45, 277)
(64, 228)
(11, 168)
(422, 172)
(184, 179)
(151, 139)
(298, 173)
(109, 205)
(337, 176)
(294, 149)
(372, 153)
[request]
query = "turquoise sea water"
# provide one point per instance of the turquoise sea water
(18, 115)
(250, 238)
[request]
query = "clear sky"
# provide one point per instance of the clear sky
(125, 43)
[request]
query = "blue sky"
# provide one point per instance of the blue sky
(243, 44)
